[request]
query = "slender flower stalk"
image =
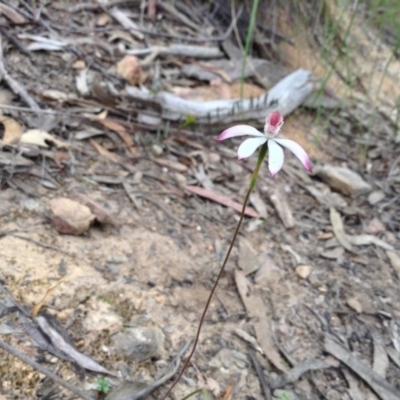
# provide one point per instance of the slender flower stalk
(268, 144)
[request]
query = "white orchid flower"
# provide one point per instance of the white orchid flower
(272, 128)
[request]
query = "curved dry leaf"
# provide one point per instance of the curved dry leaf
(13, 15)
(12, 130)
(105, 153)
(41, 138)
(364, 240)
(338, 230)
(60, 343)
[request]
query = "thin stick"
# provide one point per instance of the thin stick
(14, 85)
(45, 371)
(261, 156)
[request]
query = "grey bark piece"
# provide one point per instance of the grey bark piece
(286, 96)
(343, 180)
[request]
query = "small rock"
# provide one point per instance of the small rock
(157, 150)
(375, 197)
(129, 69)
(180, 178)
(140, 343)
(355, 305)
(303, 271)
(70, 217)
(343, 180)
(375, 226)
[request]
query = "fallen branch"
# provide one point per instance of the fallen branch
(285, 96)
(380, 386)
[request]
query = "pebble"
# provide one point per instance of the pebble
(70, 217)
(354, 304)
(140, 344)
(375, 197)
(303, 271)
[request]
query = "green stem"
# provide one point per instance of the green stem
(253, 181)
(201, 390)
(249, 36)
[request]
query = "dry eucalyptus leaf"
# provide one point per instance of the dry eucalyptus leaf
(248, 260)
(60, 343)
(12, 130)
(279, 201)
(41, 138)
(338, 230)
(363, 240)
(395, 261)
(13, 15)
(259, 204)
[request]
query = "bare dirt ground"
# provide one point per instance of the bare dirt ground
(308, 307)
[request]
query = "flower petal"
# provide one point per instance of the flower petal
(298, 151)
(239, 130)
(249, 146)
(275, 157)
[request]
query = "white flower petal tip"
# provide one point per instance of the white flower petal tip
(249, 146)
(239, 130)
(275, 157)
(298, 151)
(273, 123)
(308, 166)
